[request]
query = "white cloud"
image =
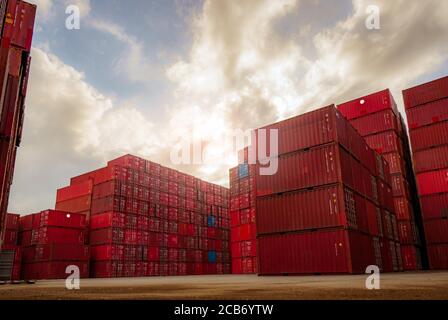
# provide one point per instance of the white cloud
(133, 64)
(44, 8)
(83, 5)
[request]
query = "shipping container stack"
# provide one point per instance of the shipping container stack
(427, 115)
(329, 207)
(243, 234)
(16, 31)
(377, 119)
(149, 220)
(10, 251)
(51, 241)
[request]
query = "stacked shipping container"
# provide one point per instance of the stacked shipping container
(242, 218)
(11, 252)
(377, 119)
(16, 30)
(51, 241)
(329, 207)
(427, 113)
(149, 220)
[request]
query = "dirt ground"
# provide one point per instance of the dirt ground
(396, 286)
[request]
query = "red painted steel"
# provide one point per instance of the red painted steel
(407, 233)
(12, 221)
(107, 220)
(309, 209)
(56, 252)
(411, 258)
(53, 218)
(432, 182)
(428, 114)
(396, 163)
(431, 159)
(425, 93)
(77, 205)
(438, 256)
(400, 186)
(319, 127)
(318, 166)
(435, 206)
(107, 236)
(378, 122)
(75, 191)
(436, 231)
(385, 142)
(56, 235)
(369, 104)
(53, 269)
(429, 136)
(403, 209)
(338, 251)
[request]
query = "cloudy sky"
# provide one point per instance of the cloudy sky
(140, 75)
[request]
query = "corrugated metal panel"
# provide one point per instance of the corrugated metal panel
(400, 186)
(438, 257)
(435, 206)
(428, 114)
(436, 231)
(431, 159)
(427, 92)
(429, 136)
(432, 182)
(309, 209)
(396, 163)
(377, 122)
(369, 104)
(385, 142)
(316, 252)
(403, 208)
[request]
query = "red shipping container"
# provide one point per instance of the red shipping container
(81, 204)
(61, 252)
(432, 182)
(429, 136)
(75, 191)
(378, 122)
(428, 114)
(400, 187)
(107, 252)
(436, 231)
(107, 236)
(407, 232)
(52, 218)
(396, 163)
(173, 241)
(317, 166)
(369, 104)
(427, 92)
(403, 209)
(12, 221)
(10, 237)
(56, 235)
(26, 222)
(306, 131)
(243, 233)
(337, 251)
(431, 159)
(53, 270)
(411, 258)
(323, 207)
(107, 269)
(385, 142)
(107, 220)
(435, 206)
(438, 257)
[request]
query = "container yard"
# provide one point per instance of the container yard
(359, 192)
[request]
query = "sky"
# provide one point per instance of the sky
(141, 76)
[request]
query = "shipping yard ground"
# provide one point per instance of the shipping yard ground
(394, 286)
